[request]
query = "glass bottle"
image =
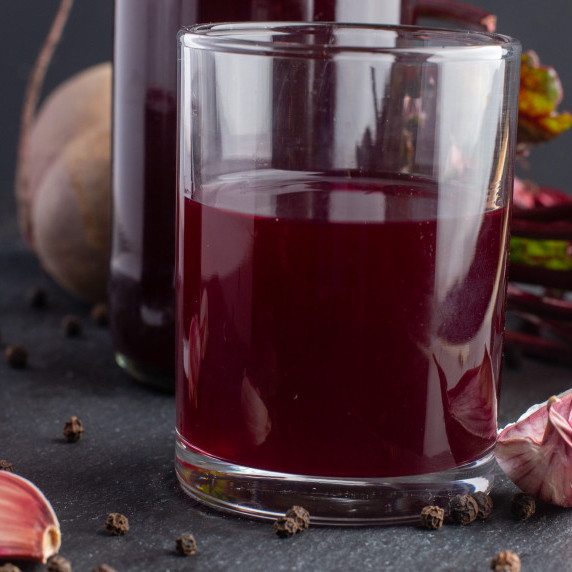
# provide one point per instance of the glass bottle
(142, 294)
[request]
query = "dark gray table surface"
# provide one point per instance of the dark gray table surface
(124, 463)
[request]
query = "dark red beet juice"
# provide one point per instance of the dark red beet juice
(339, 327)
(144, 157)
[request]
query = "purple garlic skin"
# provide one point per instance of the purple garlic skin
(535, 452)
(29, 528)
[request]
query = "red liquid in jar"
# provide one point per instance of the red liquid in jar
(341, 328)
(142, 289)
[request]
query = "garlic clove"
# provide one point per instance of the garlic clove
(472, 402)
(254, 412)
(469, 408)
(535, 452)
(29, 528)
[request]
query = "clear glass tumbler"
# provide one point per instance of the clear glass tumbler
(343, 209)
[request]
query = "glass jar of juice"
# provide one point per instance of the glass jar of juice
(142, 293)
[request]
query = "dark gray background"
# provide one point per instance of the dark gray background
(542, 26)
(124, 462)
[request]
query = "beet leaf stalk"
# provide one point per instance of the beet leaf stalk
(463, 14)
(31, 98)
(538, 346)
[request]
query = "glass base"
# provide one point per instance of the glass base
(329, 500)
(156, 377)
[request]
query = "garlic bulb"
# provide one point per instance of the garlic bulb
(535, 452)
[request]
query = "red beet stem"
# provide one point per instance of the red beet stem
(31, 99)
(541, 276)
(457, 12)
(561, 212)
(539, 347)
(560, 329)
(544, 306)
(550, 230)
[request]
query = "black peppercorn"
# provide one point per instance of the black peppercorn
(16, 356)
(73, 429)
(6, 466)
(484, 504)
(523, 506)
(186, 545)
(432, 517)
(506, 561)
(100, 314)
(117, 524)
(285, 527)
(300, 515)
(71, 326)
(9, 567)
(103, 568)
(59, 564)
(463, 509)
(37, 297)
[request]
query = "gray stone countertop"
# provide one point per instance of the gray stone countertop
(124, 463)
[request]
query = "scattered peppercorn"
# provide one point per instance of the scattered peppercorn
(186, 545)
(8, 567)
(100, 314)
(117, 524)
(59, 564)
(484, 504)
(16, 356)
(300, 515)
(463, 509)
(103, 568)
(71, 326)
(37, 297)
(523, 506)
(285, 527)
(73, 429)
(507, 561)
(432, 517)
(6, 466)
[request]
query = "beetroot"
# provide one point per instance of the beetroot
(64, 171)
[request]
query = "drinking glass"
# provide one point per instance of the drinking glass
(343, 209)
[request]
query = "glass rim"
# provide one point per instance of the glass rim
(455, 44)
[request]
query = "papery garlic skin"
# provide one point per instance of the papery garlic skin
(535, 452)
(29, 528)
